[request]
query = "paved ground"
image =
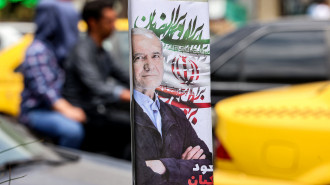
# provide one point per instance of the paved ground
(89, 170)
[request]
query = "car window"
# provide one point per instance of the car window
(17, 145)
(286, 57)
(283, 57)
(230, 70)
(222, 44)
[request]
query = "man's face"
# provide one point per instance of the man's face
(148, 64)
(106, 24)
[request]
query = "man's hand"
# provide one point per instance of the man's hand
(69, 111)
(77, 114)
(156, 166)
(125, 95)
(193, 153)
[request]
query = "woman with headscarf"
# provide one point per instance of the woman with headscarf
(43, 108)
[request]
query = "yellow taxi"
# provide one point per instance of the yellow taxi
(279, 136)
(11, 83)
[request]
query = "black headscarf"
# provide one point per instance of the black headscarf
(57, 26)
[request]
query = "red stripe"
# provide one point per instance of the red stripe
(182, 104)
(198, 105)
(174, 92)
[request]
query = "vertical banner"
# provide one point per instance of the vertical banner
(171, 103)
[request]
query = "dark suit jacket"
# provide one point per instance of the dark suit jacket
(88, 69)
(177, 136)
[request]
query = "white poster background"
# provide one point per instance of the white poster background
(140, 17)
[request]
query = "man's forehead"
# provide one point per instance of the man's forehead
(107, 11)
(147, 36)
(144, 38)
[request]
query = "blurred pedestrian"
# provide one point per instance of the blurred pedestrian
(96, 84)
(319, 9)
(43, 108)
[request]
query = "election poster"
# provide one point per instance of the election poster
(171, 103)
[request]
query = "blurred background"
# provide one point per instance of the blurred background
(262, 135)
(225, 15)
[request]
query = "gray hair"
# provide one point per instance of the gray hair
(147, 33)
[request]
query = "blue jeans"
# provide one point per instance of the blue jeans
(69, 133)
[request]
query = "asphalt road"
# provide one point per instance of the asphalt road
(89, 170)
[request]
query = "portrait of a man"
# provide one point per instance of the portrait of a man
(166, 146)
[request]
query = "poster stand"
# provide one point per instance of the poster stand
(170, 85)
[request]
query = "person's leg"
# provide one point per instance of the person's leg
(68, 132)
(104, 136)
(95, 131)
(120, 129)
